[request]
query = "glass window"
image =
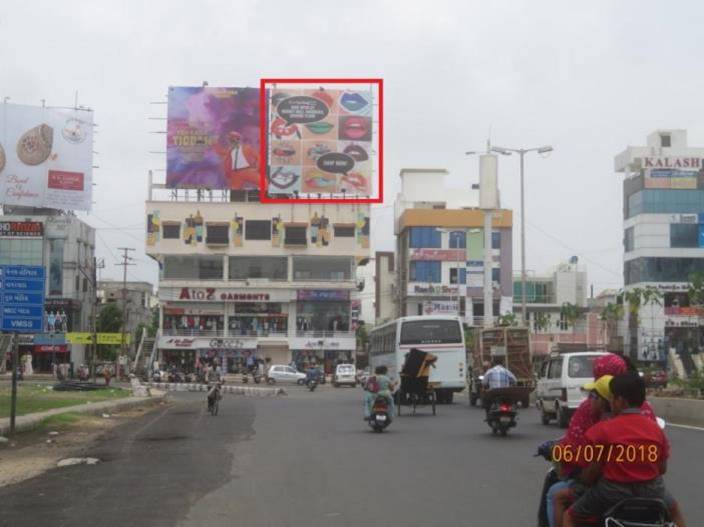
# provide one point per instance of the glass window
(425, 271)
(457, 240)
(217, 234)
(665, 201)
(555, 371)
(322, 268)
(496, 240)
(323, 316)
(257, 230)
(661, 269)
(271, 267)
(342, 231)
(56, 267)
(581, 366)
(295, 236)
(171, 231)
(431, 332)
(21, 252)
(665, 140)
(684, 235)
(200, 267)
(420, 237)
(628, 239)
(462, 273)
(496, 275)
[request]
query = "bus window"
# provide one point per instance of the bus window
(431, 332)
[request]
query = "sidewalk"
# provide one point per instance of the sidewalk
(28, 422)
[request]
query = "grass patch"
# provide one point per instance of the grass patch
(33, 398)
(62, 420)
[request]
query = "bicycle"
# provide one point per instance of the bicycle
(214, 402)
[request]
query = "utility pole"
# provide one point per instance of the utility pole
(13, 402)
(126, 258)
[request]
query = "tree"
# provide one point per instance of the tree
(541, 321)
(570, 314)
(508, 319)
(109, 321)
(611, 314)
(695, 292)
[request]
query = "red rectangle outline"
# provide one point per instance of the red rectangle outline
(263, 149)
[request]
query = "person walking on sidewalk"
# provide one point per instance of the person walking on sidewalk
(106, 375)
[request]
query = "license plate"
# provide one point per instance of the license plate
(504, 420)
(381, 418)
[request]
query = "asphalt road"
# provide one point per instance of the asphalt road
(309, 459)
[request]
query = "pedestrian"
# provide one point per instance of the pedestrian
(106, 375)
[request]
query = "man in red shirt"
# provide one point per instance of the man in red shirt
(630, 454)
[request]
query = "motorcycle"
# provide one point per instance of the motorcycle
(630, 512)
(502, 412)
(380, 416)
(312, 384)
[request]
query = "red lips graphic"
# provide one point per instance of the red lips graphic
(355, 128)
(355, 180)
(279, 128)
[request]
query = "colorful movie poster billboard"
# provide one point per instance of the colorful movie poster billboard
(319, 141)
(46, 157)
(213, 138)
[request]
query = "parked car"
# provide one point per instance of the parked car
(285, 374)
(559, 389)
(656, 379)
(344, 374)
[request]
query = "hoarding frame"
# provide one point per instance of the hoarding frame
(263, 145)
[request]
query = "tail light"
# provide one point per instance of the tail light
(563, 395)
(505, 407)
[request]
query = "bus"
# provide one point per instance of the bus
(441, 335)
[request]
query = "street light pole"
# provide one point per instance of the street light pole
(522, 152)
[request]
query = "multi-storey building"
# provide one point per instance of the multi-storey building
(440, 242)
(663, 210)
(241, 277)
(64, 245)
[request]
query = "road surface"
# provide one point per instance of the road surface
(308, 459)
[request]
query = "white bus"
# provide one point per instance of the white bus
(441, 335)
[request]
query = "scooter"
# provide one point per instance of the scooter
(312, 384)
(380, 416)
(501, 416)
(630, 512)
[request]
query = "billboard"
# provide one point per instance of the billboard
(671, 178)
(319, 141)
(213, 138)
(46, 157)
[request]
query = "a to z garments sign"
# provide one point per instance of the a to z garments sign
(46, 157)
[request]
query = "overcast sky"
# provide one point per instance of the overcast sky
(588, 78)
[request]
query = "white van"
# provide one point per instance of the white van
(559, 389)
(345, 374)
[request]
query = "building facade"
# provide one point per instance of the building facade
(243, 277)
(663, 211)
(138, 309)
(65, 246)
(545, 297)
(440, 249)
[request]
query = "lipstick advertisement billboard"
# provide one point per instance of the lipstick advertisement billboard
(320, 142)
(213, 138)
(46, 157)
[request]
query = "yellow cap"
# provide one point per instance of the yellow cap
(600, 386)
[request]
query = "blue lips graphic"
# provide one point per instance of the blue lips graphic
(353, 101)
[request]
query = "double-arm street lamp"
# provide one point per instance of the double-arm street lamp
(522, 152)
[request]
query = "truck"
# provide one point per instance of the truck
(509, 342)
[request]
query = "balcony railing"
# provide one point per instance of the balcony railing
(222, 333)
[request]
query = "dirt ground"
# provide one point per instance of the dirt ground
(29, 454)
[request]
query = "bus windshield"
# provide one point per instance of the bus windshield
(431, 332)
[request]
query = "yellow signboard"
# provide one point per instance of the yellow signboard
(103, 338)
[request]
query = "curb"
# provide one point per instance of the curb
(25, 423)
(679, 411)
(237, 390)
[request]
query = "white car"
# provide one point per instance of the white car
(559, 389)
(285, 374)
(345, 374)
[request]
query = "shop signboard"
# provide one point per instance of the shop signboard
(427, 289)
(205, 343)
(221, 294)
(440, 307)
(323, 295)
(444, 255)
(103, 338)
(22, 298)
(21, 229)
(312, 343)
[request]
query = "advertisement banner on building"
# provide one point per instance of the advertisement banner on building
(320, 141)
(445, 255)
(322, 295)
(441, 307)
(21, 229)
(58, 315)
(213, 138)
(218, 294)
(103, 338)
(206, 343)
(46, 157)
(677, 178)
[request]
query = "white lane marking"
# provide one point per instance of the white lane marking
(687, 427)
